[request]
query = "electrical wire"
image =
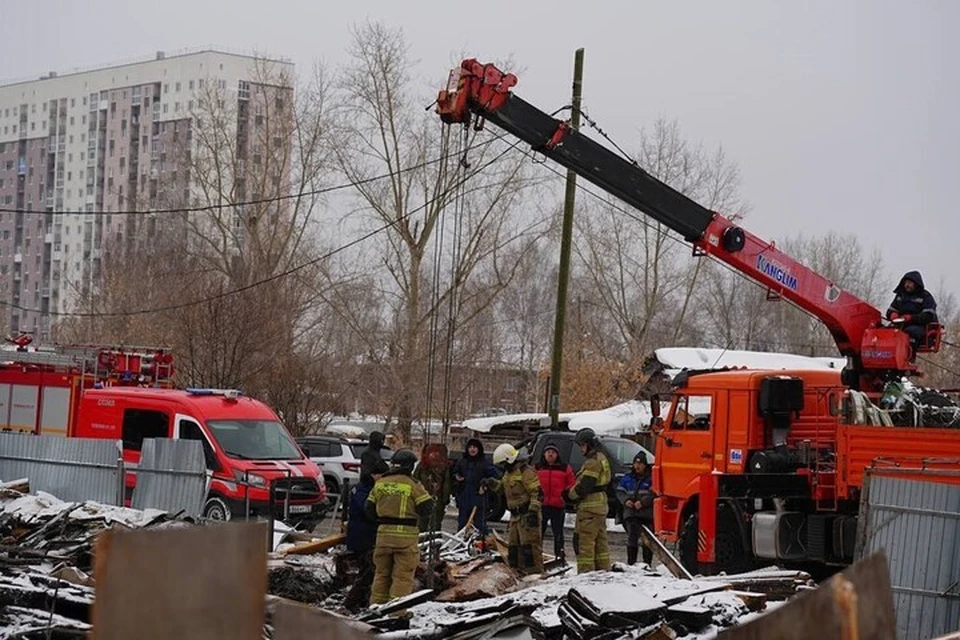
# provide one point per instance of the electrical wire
(244, 203)
(268, 280)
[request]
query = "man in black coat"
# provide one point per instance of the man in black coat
(371, 460)
(913, 307)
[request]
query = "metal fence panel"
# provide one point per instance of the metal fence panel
(172, 476)
(72, 469)
(918, 525)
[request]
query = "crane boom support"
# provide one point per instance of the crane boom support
(481, 92)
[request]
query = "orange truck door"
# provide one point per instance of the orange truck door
(688, 444)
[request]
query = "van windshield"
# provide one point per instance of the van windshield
(254, 439)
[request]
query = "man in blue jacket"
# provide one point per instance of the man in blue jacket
(361, 535)
(468, 474)
(913, 307)
(635, 493)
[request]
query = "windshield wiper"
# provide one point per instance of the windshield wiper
(233, 454)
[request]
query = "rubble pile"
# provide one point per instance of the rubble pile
(46, 556)
(632, 602)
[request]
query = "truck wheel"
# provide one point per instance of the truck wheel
(217, 510)
(728, 547)
(687, 544)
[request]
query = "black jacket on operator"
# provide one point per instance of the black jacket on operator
(919, 305)
(371, 460)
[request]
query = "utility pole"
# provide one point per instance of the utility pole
(564, 276)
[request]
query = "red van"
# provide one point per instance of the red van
(245, 445)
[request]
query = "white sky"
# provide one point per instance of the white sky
(842, 116)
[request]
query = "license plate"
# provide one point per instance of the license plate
(301, 508)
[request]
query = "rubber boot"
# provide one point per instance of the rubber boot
(632, 555)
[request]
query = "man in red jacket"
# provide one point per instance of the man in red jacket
(555, 478)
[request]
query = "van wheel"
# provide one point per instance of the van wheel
(217, 510)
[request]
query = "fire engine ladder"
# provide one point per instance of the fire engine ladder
(824, 472)
(43, 358)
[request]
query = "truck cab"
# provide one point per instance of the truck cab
(246, 447)
(736, 442)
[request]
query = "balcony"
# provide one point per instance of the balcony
(17, 258)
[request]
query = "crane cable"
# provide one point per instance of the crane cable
(433, 329)
(453, 308)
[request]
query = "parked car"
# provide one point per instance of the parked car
(338, 458)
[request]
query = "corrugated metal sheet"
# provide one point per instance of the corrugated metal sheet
(72, 469)
(172, 476)
(917, 523)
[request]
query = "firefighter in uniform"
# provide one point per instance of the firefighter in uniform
(396, 503)
(520, 485)
(590, 495)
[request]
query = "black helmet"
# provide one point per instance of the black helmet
(586, 436)
(641, 457)
(404, 460)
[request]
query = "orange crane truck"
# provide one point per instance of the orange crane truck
(753, 467)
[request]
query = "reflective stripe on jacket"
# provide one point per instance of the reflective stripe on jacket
(396, 497)
(595, 466)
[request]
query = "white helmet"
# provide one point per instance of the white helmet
(505, 453)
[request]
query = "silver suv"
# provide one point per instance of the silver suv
(338, 458)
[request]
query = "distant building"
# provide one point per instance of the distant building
(95, 143)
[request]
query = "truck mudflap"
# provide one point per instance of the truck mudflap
(707, 521)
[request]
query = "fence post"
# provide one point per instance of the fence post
(863, 515)
(246, 495)
(121, 481)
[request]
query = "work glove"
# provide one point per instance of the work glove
(488, 484)
(907, 318)
(532, 519)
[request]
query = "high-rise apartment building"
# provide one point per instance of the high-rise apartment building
(78, 151)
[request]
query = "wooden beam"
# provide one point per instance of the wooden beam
(857, 603)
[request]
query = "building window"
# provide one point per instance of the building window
(166, 87)
(71, 121)
(165, 107)
(178, 86)
(191, 85)
(73, 102)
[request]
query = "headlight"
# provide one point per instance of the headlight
(251, 479)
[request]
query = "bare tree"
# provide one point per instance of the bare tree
(636, 275)
(384, 132)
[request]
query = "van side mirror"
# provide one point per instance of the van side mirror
(655, 406)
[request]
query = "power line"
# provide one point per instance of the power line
(268, 280)
(245, 203)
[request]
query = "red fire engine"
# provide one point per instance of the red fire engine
(127, 394)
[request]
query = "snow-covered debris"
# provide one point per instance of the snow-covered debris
(618, 592)
(674, 359)
(625, 418)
